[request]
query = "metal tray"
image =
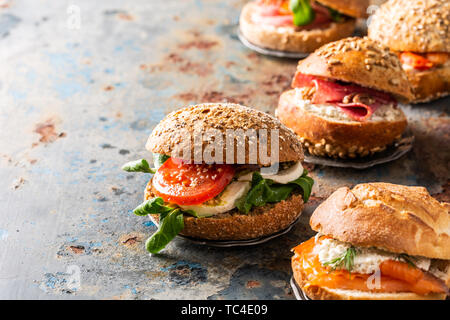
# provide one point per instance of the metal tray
(270, 52)
(298, 292)
(237, 243)
(393, 152)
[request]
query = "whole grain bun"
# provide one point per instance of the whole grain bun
(325, 136)
(361, 61)
(352, 8)
(316, 292)
(430, 84)
(413, 25)
(259, 222)
(391, 217)
(288, 38)
(177, 131)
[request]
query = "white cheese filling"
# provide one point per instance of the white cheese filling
(331, 112)
(226, 201)
(366, 261)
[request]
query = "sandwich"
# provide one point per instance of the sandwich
(418, 31)
(299, 25)
(221, 172)
(344, 99)
(378, 241)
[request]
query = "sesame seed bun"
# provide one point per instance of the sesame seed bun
(413, 25)
(395, 218)
(430, 84)
(324, 135)
(178, 130)
(352, 8)
(361, 61)
(259, 222)
(289, 38)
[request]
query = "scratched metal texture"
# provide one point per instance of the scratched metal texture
(75, 104)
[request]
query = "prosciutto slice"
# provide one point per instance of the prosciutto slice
(331, 92)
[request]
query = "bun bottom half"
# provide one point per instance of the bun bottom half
(430, 84)
(337, 139)
(259, 222)
(291, 40)
(315, 292)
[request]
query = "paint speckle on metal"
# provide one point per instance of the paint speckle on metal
(77, 103)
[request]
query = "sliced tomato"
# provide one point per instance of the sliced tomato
(182, 183)
(415, 61)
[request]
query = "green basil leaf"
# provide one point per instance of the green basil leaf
(306, 183)
(152, 206)
(335, 15)
(265, 191)
(140, 165)
(303, 12)
(159, 159)
(170, 224)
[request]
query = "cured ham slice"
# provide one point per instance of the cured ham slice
(331, 92)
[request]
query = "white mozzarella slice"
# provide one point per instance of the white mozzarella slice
(225, 202)
(284, 176)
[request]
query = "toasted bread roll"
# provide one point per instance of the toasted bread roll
(176, 132)
(333, 134)
(396, 218)
(291, 39)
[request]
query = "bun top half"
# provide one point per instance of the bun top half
(413, 25)
(395, 218)
(361, 61)
(352, 8)
(195, 128)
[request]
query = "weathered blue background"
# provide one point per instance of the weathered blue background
(75, 104)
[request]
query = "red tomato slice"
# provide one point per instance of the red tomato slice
(415, 61)
(187, 184)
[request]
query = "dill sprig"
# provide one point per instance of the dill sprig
(345, 261)
(408, 259)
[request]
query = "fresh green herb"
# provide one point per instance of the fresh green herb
(265, 191)
(408, 259)
(170, 222)
(138, 166)
(152, 206)
(303, 12)
(335, 15)
(159, 159)
(345, 261)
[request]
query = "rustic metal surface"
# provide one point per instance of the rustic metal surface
(75, 104)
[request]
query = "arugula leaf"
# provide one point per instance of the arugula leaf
(335, 15)
(159, 159)
(346, 261)
(303, 12)
(152, 206)
(170, 224)
(140, 165)
(265, 191)
(408, 259)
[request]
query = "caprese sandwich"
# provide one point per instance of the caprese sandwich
(378, 241)
(418, 30)
(344, 99)
(230, 197)
(299, 25)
